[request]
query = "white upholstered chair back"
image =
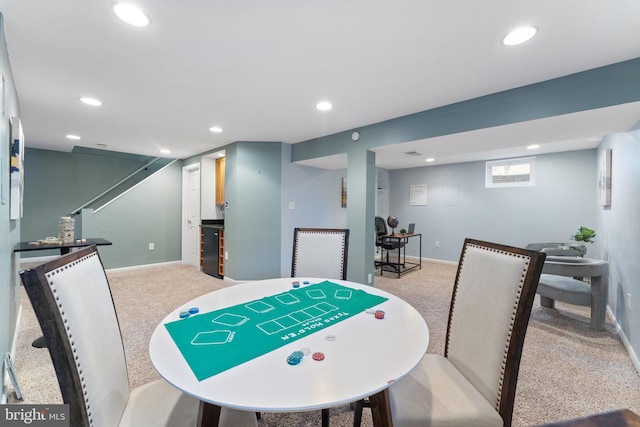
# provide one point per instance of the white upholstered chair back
(73, 303)
(320, 252)
(491, 303)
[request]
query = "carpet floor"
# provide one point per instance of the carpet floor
(567, 369)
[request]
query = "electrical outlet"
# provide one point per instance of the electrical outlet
(152, 246)
(369, 278)
(628, 301)
(437, 244)
(226, 256)
(292, 205)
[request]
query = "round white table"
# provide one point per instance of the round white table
(365, 356)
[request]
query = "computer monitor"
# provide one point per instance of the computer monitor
(412, 228)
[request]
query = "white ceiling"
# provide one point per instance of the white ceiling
(257, 69)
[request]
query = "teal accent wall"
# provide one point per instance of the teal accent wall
(597, 88)
(9, 229)
(252, 219)
(149, 213)
(58, 182)
(361, 189)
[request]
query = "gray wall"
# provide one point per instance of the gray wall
(562, 200)
(316, 195)
(253, 181)
(619, 234)
(9, 229)
(57, 183)
(149, 213)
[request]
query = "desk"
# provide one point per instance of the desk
(556, 282)
(365, 356)
(63, 247)
(402, 266)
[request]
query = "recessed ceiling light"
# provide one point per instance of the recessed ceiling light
(131, 14)
(91, 101)
(430, 159)
(324, 106)
(519, 35)
(165, 151)
(73, 137)
(215, 129)
(532, 146)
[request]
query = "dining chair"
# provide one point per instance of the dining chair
(320, 252)
(72, 300)
(474, 383)
(323, 253)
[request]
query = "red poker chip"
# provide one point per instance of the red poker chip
(318, 356)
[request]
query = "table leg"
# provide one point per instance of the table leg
(598, 303)
(208, 415)
(381, 409)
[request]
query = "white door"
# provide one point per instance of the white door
(191, 216)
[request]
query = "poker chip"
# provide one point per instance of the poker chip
(330, 337)
(370, 311)
(306, 351)
(379, 314)
(295, 284)
(298, 354)
(293, 360)
(318, 356)
(306, 282)
(184, 314)
(194, 310)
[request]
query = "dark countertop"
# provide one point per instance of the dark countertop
(212, 223)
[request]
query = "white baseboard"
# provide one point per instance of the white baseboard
(142, 266)
(625, 341)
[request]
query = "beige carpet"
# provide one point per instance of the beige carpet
(567, 369)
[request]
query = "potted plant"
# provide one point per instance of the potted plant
(582, 236)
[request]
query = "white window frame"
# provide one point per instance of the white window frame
(530, 182)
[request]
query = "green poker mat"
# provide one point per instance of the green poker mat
(215, 341)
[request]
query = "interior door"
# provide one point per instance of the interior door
(191, 201)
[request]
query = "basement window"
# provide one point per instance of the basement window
(511, 173)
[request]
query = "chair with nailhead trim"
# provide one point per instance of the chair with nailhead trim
(474, 383)
(72, 301)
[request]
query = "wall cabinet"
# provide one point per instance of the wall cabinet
(220, 163)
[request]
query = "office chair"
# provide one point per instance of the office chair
(474, 383)
(72, 301)
(386, 245)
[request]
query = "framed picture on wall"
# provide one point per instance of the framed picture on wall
(16, 168)
(604, 178)
(343, 202)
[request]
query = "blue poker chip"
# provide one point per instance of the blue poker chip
(306, 282)
(297, 354)
(194, 310)
(184, 314)
(291, 360)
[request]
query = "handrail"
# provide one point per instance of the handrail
(132, 187)
(77, 210)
